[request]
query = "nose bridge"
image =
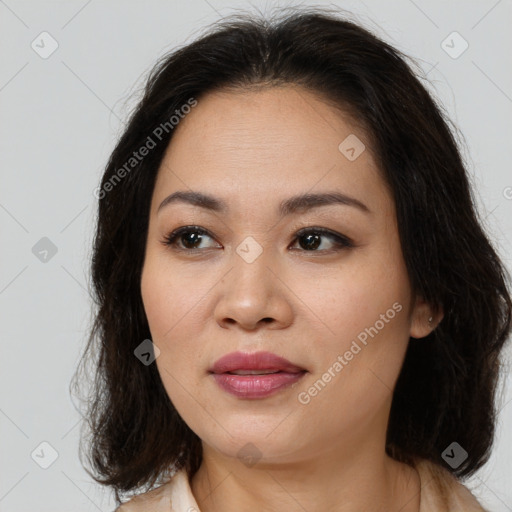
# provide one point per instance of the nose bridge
(251, 291)
(251, 261)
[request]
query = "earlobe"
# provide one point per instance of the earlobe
(424, 319)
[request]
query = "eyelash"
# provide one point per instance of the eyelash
(340, 241)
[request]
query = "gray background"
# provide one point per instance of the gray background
(60, 117)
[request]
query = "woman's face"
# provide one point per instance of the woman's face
(337, 305)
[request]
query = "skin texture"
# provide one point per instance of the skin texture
(254, 149)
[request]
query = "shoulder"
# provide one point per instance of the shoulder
(441, 491)
(172, 496)
(156, 500)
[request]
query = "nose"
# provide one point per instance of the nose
(253, 296)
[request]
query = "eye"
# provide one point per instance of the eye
(190, 238)
(310, 239)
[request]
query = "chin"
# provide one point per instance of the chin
(254, 445)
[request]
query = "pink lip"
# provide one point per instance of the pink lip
(255, 386)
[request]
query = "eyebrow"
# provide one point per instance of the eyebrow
(299, 203)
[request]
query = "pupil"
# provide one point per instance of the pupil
(313, 241)
(193, 239)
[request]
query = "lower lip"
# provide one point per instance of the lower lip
(256, 386)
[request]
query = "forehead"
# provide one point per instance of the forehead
(270, 142)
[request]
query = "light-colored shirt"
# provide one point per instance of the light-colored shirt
(440, 492)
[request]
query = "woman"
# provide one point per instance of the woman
(297, 306)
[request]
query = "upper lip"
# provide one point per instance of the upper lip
(253, 361)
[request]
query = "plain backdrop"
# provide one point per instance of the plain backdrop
(61, 114)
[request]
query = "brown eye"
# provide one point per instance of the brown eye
(195, 238)
(191, 239)
(311, 239)
(188, 238)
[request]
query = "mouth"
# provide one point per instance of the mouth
(256, 363)
(256, 375)
(253, 372)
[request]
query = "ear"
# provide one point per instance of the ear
(422, 312)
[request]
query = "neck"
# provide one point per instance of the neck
(340, 480)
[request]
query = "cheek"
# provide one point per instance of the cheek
(169, 307)
(171, 299)
(359, 359)
(345, 300)
(166, 311)
(362, 313)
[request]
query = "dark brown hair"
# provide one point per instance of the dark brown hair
(446, 390)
